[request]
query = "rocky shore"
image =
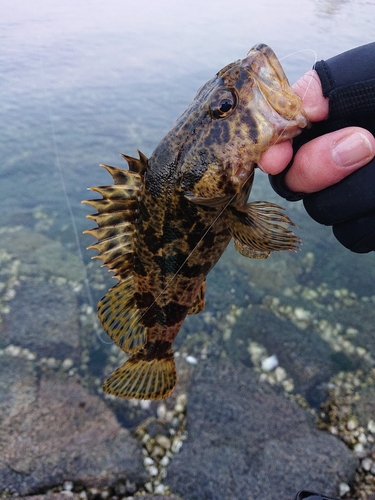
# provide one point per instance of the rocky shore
(276, 387)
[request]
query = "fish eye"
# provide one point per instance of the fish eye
(226, 105)
(223, 103)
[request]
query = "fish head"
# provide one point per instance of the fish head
(236, 116)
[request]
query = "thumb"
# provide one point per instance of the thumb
(326, 160)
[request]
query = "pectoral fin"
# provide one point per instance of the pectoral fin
(198, 305)
(259, 228)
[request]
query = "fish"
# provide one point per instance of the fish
(166, 220)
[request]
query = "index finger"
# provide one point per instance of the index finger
(309, 89)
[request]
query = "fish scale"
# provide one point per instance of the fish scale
(167, 220)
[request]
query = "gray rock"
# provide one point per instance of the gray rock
(247, 441)
(56, 431)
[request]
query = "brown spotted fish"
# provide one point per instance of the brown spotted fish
(166, 221)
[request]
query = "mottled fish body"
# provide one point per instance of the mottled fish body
(166, 221)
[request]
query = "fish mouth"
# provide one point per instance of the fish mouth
(261, 49)
(273, 83)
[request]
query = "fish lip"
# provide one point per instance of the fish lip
(263, 49)
(268, 72)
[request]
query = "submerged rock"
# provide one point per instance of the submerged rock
(245, 440)
(45, 319)
(40, 256)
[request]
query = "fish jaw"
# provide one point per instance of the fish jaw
(287, 114)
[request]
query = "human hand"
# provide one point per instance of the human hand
(325, 160)
(333, 168)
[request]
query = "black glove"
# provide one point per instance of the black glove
(309, 495)
(348, 80)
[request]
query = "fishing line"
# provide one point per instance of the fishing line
(69, 205)
(315, 61)
(66, 196)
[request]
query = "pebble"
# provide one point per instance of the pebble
(164, 461)
(163, 441)
(351, 332)
(270, 363)
(161, 411)
(149, 487)
(191, 360)
(153, 470)
(29, 355)
(288, 385)
(371, 426)
(366, 464)
(352, 424)
(160, 489)
(67, 364)
(181, 403)
(359, 449)
(68, 485)
(280, 374)
(343, 489)
(362, 438)
(176, 445)
(231, 319)
(51, 362)
(301, 314)
(157, 452)
(227, 334)
(13, 350)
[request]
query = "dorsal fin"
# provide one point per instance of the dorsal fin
(116, 216)
(138, 165)
(121, 176)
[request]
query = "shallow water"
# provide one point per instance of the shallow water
(82, 82)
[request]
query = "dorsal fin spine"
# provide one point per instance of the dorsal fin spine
(137, 165)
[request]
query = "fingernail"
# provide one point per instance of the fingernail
(354, 150)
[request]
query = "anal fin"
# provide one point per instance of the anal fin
(198, 304)
(144, 376)
(121, 318)
(259, 228)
